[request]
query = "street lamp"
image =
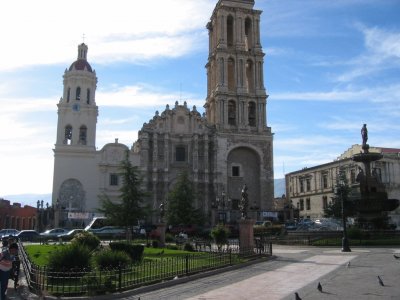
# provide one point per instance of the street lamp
(345, 241)
(220, 203)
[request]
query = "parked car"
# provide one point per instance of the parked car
(290, 226)
(70, 234)
(8, 232)
(109, 231)
(28, 235)
(53, 233)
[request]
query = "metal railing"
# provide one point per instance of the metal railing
(148, 271)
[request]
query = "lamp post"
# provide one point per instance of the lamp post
(345, 241)
(221, 203)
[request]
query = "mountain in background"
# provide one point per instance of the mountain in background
(31, 199)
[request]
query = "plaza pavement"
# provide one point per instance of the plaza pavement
(351, 275)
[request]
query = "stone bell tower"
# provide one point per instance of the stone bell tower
(236, 105)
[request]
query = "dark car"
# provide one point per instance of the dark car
(28, 235)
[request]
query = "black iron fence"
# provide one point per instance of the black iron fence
(99, 281)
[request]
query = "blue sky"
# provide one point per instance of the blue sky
(330, 66)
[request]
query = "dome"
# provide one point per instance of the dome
(80, 65)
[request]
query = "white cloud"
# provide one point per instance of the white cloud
(124, 30)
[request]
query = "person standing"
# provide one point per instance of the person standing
(6, 260)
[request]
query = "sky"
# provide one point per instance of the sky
(330, 67)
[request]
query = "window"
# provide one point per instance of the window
(325, 181)
(180, 153)
(308, 184)
(301, 204)
(78, 93)
(308, 204)
(353, 176)
(113, 179)
(231, 113)
(248, 34)
(68, 135)
(68, 94)
(249, 76)
(301, 185)
(231, 75)
(88, 96)
(82, 135)
(324, 202)
(252, 114)
(229, 25)
(235, 171)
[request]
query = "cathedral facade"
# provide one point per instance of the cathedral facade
(228, 146)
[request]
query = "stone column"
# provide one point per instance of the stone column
(246, 235)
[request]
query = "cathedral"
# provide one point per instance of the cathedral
(230, 145)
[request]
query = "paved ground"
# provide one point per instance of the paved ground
(295, 269)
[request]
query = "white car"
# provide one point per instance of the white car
(53, 233)
(108, 231)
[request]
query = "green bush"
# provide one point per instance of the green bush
(134, 251)
(109, 259)
(355, 233)
(220, 235)
(87, 239)
(188, 247)
(70, 257)
(169, 238)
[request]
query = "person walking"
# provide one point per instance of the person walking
(6, 260)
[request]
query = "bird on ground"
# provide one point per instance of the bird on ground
(176, 277)
(297, 297)
(380, 281)
(319, 287)
(348, 265)
(396, 257)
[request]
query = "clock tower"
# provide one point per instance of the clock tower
(75, 148)
(77, 109)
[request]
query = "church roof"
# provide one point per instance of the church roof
(80, 65)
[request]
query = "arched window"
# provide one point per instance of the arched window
(78, 93)
(221, 71)
(229, 31)
(248, 32)
(249, 76)
(82, 135)
(88, 96)
(231, 74)
(68, 135)
(68, 94)
(231, 112)
(252, 114)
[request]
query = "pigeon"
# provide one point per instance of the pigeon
(319, 287)
(297, 297)
(176, 277)
(348, 265)
(396, 257)
(380, 281)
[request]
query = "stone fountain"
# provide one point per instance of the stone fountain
(371, 201)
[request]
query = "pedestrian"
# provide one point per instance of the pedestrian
(6, 259)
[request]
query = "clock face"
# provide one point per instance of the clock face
(76, 107)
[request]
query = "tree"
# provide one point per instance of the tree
(180, 208)
(130, 208)
(220, 235)
(343, 191)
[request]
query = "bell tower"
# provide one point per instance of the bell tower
(77, 109)
(236, 97)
